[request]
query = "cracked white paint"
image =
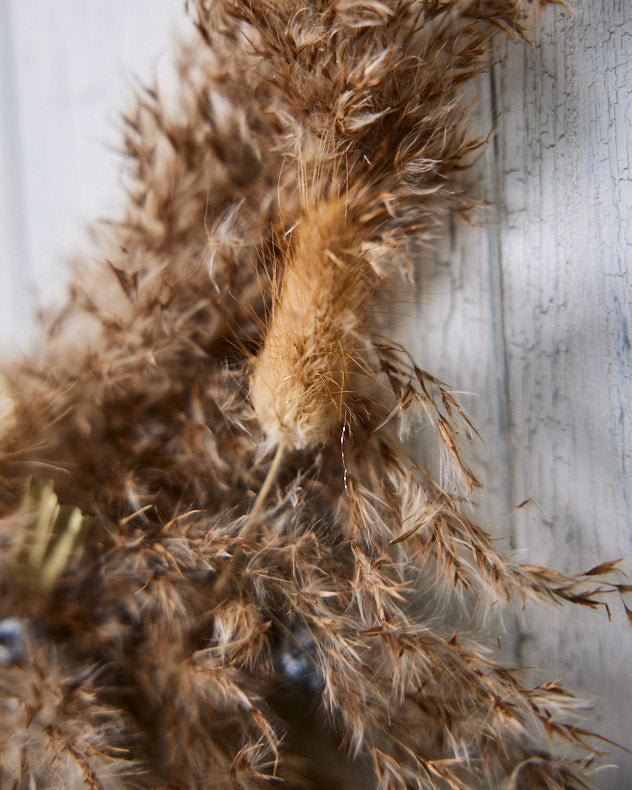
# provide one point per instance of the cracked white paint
(565, 144)
(535, 315)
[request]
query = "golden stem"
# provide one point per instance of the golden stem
(270, 478)
(223, 583)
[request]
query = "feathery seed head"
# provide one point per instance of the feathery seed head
(301, 377)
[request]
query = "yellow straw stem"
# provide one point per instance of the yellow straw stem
(270, 478)
(223, 583)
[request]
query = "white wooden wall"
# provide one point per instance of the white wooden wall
(67, 70)
(532, 314)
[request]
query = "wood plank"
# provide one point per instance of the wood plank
(13, 266)
(564, 147)
(534, 315)
(68, 65)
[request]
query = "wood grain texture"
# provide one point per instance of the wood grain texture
(564, 152)
(534, 314)
(530, 315)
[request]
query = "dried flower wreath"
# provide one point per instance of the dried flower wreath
(219, 565)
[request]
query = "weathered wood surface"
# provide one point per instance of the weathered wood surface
(532, 314)
(564, 159)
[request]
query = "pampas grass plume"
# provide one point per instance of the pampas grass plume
(204, 613)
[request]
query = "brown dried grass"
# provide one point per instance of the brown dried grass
(229, 310)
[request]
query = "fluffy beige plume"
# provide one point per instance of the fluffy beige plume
(303, 373)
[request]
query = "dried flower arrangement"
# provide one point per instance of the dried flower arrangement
(235, 573)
